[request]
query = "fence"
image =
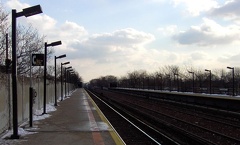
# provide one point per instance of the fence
(23, 84)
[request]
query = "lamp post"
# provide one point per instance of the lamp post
(154, 82)
(161, 82)
(45, 72)
(210, 80)
(25, 12)
(170, 83)
(62, 80)
(65, 75)
(55, 62)
(68, 76)
(232, 68)
(7, 61)
(192, 80)
(177, 81)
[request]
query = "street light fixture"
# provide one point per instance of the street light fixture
(55, 62)
(210, 80)
(192, 81)
(62, 80)
(55, 43)
(30, 11)
(45, 72)
(232, 68)
(26, 12)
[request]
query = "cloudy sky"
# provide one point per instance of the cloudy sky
(110, 37)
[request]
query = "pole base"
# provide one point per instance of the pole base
(44, 113)
(14, 136)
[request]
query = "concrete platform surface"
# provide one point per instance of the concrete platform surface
(77, 121)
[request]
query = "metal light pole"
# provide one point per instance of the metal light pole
(155, 82)
(170, 83)
(26, 12)
(45, 72)
(210, 81)
(62, 80)
(177, 81)
(70, 81)
(7, 61)
(55, 61)
(66, 79)
(192, 81)
(161, 82)
(68, 76)
(232, 68)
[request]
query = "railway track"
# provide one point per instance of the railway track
(198, 128)
(132, 130)
(215, 125)
(226, 117)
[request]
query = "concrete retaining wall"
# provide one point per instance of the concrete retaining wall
(23, 84)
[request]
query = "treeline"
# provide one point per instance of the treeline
(174, 78)
(29, 41)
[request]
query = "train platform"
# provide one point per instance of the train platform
(77, 121)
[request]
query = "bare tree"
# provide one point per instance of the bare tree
(137, 78)
(4, 28)
(28, 42)
(159, 80)
(134, 78)
(123, 81)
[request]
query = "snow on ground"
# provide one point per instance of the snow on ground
(38, 113)
(5, 139)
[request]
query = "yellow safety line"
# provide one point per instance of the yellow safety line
(116, 137)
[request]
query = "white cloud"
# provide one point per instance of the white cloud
(73, 30)
(127, 49)
(106, 45)
(107, 52)
(155, 1)
(229, 11)
(195, 7)
(169, 30)
(48, 26)
(198, 56)
(67, 31)
(123, 37)
(232, 59)
(208, 33)
(15, 4)
(42, 22)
